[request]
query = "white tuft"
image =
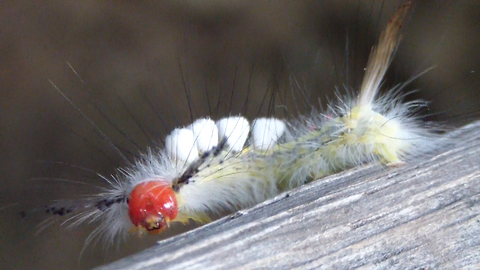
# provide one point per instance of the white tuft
(180, 145)
(205, 133)
(266, 132)
(235, 130)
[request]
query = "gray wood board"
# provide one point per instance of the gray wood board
(424, 215)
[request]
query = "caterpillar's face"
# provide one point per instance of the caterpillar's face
(152, 205)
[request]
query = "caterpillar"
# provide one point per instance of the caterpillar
(210, 167)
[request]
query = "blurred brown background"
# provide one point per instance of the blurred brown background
(136, 62)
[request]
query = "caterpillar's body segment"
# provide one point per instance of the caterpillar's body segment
(210, 167)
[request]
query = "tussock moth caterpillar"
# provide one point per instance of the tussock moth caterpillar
(261, 142)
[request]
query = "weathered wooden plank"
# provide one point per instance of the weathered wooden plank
(424, 215)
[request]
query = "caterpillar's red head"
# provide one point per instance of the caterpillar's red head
(152, 205)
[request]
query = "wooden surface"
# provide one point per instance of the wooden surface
(421, 216)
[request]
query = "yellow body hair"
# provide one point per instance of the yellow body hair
(359, 133)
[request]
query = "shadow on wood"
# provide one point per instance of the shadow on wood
(424, 215)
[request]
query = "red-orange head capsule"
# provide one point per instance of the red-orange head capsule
(152, 205)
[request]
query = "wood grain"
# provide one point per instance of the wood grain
(420, 216)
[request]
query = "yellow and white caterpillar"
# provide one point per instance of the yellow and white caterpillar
(212, 167)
